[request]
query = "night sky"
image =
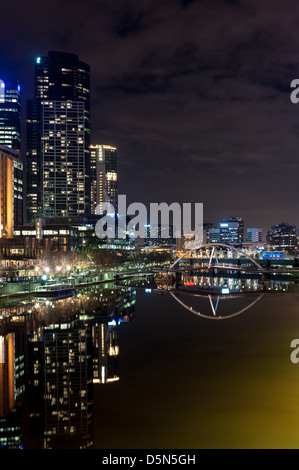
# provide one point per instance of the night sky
(195, 94)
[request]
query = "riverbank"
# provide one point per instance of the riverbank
(82, 284)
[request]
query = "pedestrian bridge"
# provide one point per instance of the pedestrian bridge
(213, 260)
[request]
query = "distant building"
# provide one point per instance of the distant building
(254, 235)
(282, 237)
(229, 232)
(11, 191)
(103, 163)
(186, 242)
(213, 235)
(240, 222)
(207, 226)
(10, 114)
(159, 235)
(232, 230)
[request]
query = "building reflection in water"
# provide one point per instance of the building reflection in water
(52, 353)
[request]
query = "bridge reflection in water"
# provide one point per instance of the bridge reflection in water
(215, 285)
(225, 272)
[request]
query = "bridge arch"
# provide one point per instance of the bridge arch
(213, 245)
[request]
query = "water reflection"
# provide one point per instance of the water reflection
(53, 354)
(215, 314)
(204, 295)
(59, 357)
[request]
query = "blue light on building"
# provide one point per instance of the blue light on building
(273, 255)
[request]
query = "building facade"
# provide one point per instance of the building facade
(63, 163)
(58, 138)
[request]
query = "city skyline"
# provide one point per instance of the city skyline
(186, 105)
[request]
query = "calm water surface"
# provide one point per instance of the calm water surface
(126, 368)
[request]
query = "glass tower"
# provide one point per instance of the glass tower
(58, 138)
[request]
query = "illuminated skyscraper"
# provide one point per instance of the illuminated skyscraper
(103, 176)
(11, 191)
(58, 138)
(10, 114)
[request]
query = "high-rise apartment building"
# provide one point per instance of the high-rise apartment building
(58, 138)
(103, 176)
(10, 114)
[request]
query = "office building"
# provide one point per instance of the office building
(58, 138)
(103, 162)
(10, 114)
(228, 232)
(232, 230)
(11, 191)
